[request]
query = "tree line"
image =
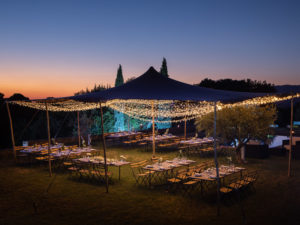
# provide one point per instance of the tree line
(246, 85)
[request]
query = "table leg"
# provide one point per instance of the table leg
(150, 180)
(119, 172)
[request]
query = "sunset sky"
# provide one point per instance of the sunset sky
(55, 48)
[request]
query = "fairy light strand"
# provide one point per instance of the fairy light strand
(166, 111)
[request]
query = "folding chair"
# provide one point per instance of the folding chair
(226, 193)
(139, 176)
(190, 186)
(173, 183)
(98, 173)
(249, 178)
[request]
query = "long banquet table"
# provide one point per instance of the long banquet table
(123, 134)
(197, 141)
(160, 137)
(58, 153)
(224, 171)
(167, 167)
(37, 149)
(100, 161)
(209, 175)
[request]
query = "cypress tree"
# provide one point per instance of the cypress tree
(164, 68)
(118, 116)
(119, 79)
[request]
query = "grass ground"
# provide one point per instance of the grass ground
(276, 200)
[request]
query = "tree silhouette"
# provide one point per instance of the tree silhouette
(119, 78)
(118, 119)
(17, 96)
(164, 68)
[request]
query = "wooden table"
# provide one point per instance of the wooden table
(167, 166)
(209, 175)
(110, 162)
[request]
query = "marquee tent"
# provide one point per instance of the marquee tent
(153, 86)
(151, 89)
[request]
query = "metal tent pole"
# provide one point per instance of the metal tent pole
(291, 137)
(185, 128)
(104, 149)
(49, 141)
(78, 129)
(12, 132)
(153, 131)
(216, 160)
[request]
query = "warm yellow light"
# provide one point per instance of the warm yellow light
(169, 111)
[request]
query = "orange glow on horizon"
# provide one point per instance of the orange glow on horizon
(38, 83)
(41, 82)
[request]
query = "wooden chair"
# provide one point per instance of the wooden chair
(143, 144)
(190, 186)
(200, 167)
(234, 184)
(73, 170)
(248, 179)
(140, 176)
(173, 183)
(98, 173)
(210, 164)
(22, 158)
(226, 194)
(182, 174)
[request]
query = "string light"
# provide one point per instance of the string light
(172, 109)
(166, 111)
(62, 106)
(260, 100)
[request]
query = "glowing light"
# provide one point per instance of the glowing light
(62, 106)
(176, 111)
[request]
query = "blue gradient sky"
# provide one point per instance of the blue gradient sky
(55, 48)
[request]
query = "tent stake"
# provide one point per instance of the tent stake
(78, 129)
(216, 160)
(104, 149)
(49, 141)
(153, 130)
(291, 137)
(12, 132)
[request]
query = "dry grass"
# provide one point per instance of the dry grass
(276, 200)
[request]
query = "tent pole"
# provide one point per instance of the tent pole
(185, 128)
(153, 130)
(128, 123)
(12, 132)
(216, 160)
(185, 123)
(49, 141)
(291, 137)
(78, 129)
(104, 148)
